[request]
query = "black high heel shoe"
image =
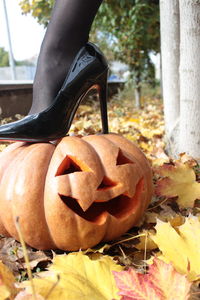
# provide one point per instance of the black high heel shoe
(88, 71)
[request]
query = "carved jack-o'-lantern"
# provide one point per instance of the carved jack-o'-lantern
(73, 195)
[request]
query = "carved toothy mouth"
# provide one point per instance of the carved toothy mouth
(119, 207)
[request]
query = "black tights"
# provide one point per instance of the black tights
(67, 32)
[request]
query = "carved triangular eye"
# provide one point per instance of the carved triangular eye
(68, 166)
(122, 160)
(106, 183)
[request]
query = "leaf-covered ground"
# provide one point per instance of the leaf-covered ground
(158, 260)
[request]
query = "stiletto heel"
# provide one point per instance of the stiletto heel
(88, 69)
(103, 101)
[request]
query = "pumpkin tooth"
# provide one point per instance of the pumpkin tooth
(96, 213)
(84, 204)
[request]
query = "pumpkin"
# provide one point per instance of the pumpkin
(74, 194)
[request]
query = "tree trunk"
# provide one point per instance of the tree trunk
(190, 78)
(138, 97)
(138, 90)
(170, 52)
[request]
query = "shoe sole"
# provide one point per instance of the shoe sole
(29, 140)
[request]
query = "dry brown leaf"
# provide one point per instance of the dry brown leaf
(11, 254)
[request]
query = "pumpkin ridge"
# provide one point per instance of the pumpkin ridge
(21, 205)
(37, 147)
(15, 153)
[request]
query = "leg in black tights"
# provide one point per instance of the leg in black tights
(66, 33)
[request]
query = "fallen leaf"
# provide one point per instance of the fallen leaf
(184, 158)
(84, 110)
(7, 281)
(23, 295)
(129, 122)
(146, 242)
(97, 249)
(11, 254)
(79, 278)
(158, 156)
(180, 180)
(161, 283)
(149, 133)
(180, 246)
(150, 217)
(158, 161)
(146, 146)
(36, 257)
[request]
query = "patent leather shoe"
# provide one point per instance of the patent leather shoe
(88, 71)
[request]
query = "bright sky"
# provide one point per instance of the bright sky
(26, 33)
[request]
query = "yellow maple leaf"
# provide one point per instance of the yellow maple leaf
(180, 180)
(79, 278)
(7, 281)
(181, 247)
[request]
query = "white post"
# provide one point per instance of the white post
(11, 58)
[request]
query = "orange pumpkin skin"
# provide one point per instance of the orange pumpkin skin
(75, 194)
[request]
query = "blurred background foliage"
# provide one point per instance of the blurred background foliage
(4, 57)
(127, 31)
